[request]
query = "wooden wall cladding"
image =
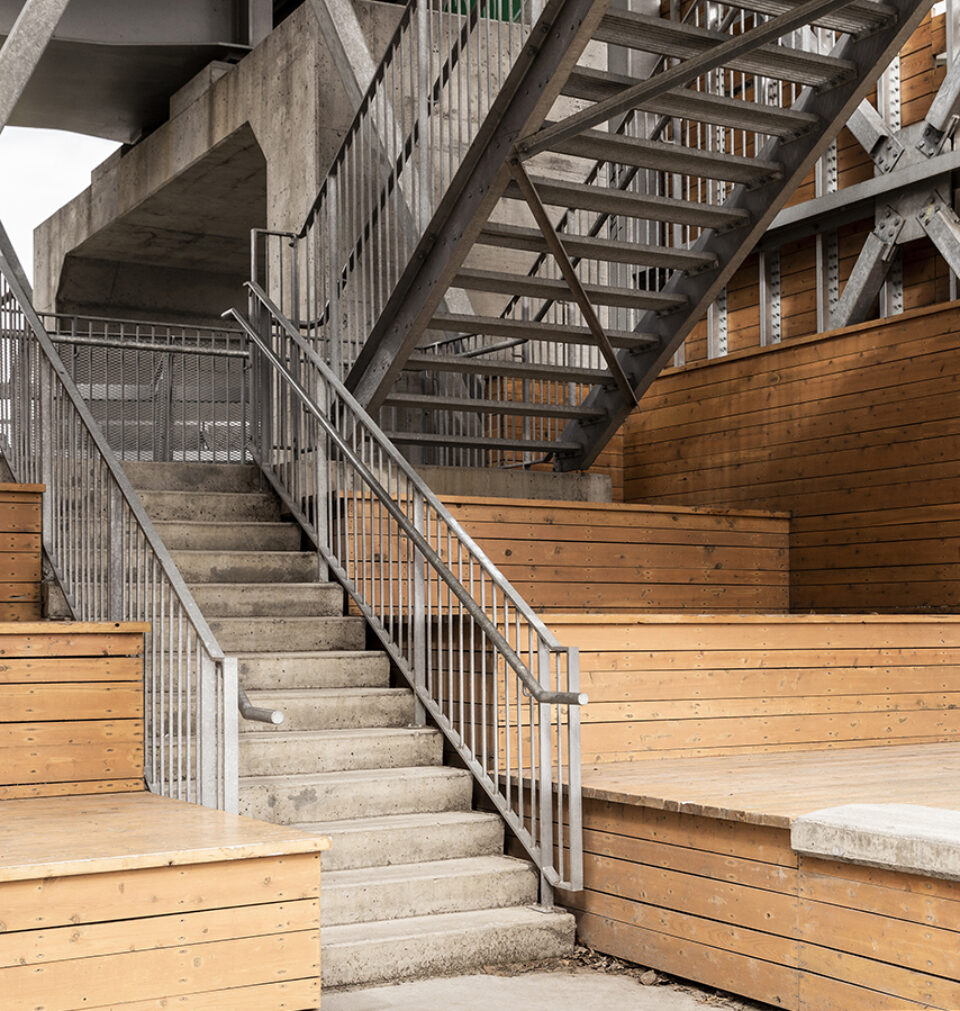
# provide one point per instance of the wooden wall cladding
(856, 433)
(605, 557)
(71, 708)
(678, 686)
(137, 901)
(20, 552)
(732, 906)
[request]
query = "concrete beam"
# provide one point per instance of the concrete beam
(902, 837)
(340, 29)
(23, 48)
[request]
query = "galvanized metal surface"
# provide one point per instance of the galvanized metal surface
(112, 564)
(481, 663)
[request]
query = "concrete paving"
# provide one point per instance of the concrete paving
(582, 989)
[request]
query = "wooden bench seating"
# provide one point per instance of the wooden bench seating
(705, 739)
(111, 897)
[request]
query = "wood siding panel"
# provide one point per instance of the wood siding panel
(21, 572)
(71, 709)
(855, 432)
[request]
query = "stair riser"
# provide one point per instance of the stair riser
(338, 713)
(261, 756)
(222, 567)
(378, 847)
(289, 803)
(203, 507)
(379, 960)
(392, 900)
(250, 600)
(231, 537)
(197, 477)
(265, 673)
(280, 635)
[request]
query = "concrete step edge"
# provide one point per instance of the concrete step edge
(427, 870)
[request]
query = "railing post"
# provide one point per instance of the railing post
(546, 778)
(45, 438)
(419, 616)
(210, 720)
(321, 485)
(230, 759)
(115, 559)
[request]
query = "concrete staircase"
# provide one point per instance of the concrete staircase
(416, 882)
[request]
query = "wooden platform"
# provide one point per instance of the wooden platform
(133, 900)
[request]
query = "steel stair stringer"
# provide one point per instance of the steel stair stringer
(608, 404)
(557, 42)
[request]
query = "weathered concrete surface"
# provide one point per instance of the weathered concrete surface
(902, 837)
(137, 234)
(535, 991)
(533, 484)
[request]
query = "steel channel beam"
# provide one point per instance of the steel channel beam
(24, 47)
(942, 225)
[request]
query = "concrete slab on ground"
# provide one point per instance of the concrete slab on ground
(583, 989)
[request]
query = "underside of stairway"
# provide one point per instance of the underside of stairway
(416, 881)
(626, 167)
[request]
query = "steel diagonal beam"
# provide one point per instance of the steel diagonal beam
(941, 118)
(942, 225)
(539, 212)
(875, 137)
(869, 272)
(556, 43)
(676, 77)
(21, 53)
(869, 56)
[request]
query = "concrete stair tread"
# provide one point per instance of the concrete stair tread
(359, 776)
(440, 923)
(328, 693)
(427, 870)
(149, 475)
(442, 943)
(358, 733)
(391, 821)
(241, 554)
(310, 654)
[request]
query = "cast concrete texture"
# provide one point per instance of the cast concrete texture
(583, 989)
(902, 837)
(419, 882)
(163, 229)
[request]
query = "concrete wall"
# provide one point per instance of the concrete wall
(163, 229)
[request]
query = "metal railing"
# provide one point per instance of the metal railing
(158, 391)
(112, 564)
(480, 662)
(441, 75)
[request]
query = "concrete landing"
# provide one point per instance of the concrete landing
(515, 483)
(583, 989)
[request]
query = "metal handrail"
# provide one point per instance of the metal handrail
(113, 565)
(407, 563)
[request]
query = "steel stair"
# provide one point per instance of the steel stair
(624, 171)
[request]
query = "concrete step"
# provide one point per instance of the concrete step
(284, 753)
(264, 536)
(261, 671)
(282, 634)
(268, 600)
(181, 477)
(333, 708)
(445, 943)
(367, 894)
(367, 793)
(408, 838)
(215, 507)
(247, 566)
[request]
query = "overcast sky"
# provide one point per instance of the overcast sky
(40, 171)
